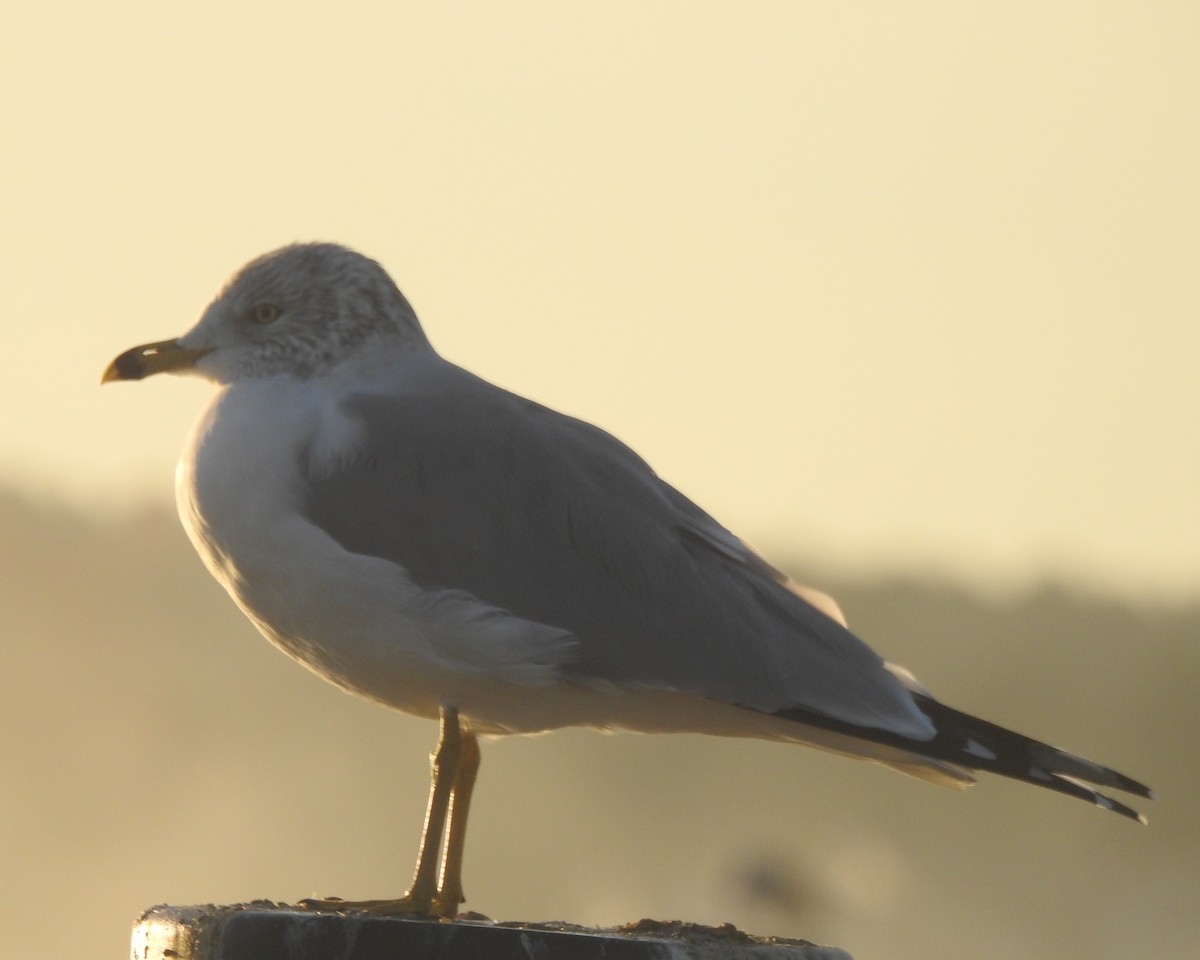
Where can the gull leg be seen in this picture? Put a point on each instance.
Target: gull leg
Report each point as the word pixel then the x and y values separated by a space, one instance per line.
pixel 450 891
pixel 422 897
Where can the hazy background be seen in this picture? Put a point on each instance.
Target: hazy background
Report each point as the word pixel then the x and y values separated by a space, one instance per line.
pixel 903 293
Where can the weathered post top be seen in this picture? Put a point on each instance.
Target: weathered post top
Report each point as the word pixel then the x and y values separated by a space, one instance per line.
pixel 268 931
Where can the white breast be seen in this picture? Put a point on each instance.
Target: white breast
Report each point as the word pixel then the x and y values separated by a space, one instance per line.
pixel 239 478
pixel 358 621
pixel 239 490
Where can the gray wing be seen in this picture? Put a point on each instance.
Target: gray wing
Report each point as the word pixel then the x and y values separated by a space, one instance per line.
pixel 470 487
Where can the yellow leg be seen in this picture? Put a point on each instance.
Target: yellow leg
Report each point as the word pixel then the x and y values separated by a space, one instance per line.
pixel 437 886
pixel 450 890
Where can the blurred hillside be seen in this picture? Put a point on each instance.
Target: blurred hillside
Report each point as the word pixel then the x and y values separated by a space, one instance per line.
pixel 157 749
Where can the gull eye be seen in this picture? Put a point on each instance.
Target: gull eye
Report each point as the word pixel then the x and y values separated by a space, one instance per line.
pixel 264 313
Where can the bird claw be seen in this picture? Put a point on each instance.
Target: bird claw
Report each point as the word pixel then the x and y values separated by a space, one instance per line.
pixel 410 905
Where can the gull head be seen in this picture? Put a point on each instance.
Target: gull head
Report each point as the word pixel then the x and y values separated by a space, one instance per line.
pixel 301 311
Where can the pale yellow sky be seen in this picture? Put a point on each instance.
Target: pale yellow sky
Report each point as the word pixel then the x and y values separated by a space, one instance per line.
pixel 890 285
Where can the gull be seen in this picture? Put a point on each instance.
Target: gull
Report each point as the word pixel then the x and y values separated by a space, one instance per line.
pixel 425 539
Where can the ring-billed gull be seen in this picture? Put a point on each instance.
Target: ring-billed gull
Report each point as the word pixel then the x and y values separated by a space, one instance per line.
pixel 423 538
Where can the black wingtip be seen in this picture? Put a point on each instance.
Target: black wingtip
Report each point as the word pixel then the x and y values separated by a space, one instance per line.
pixel 1121 782
pixel 1108 803
pixel 969 742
